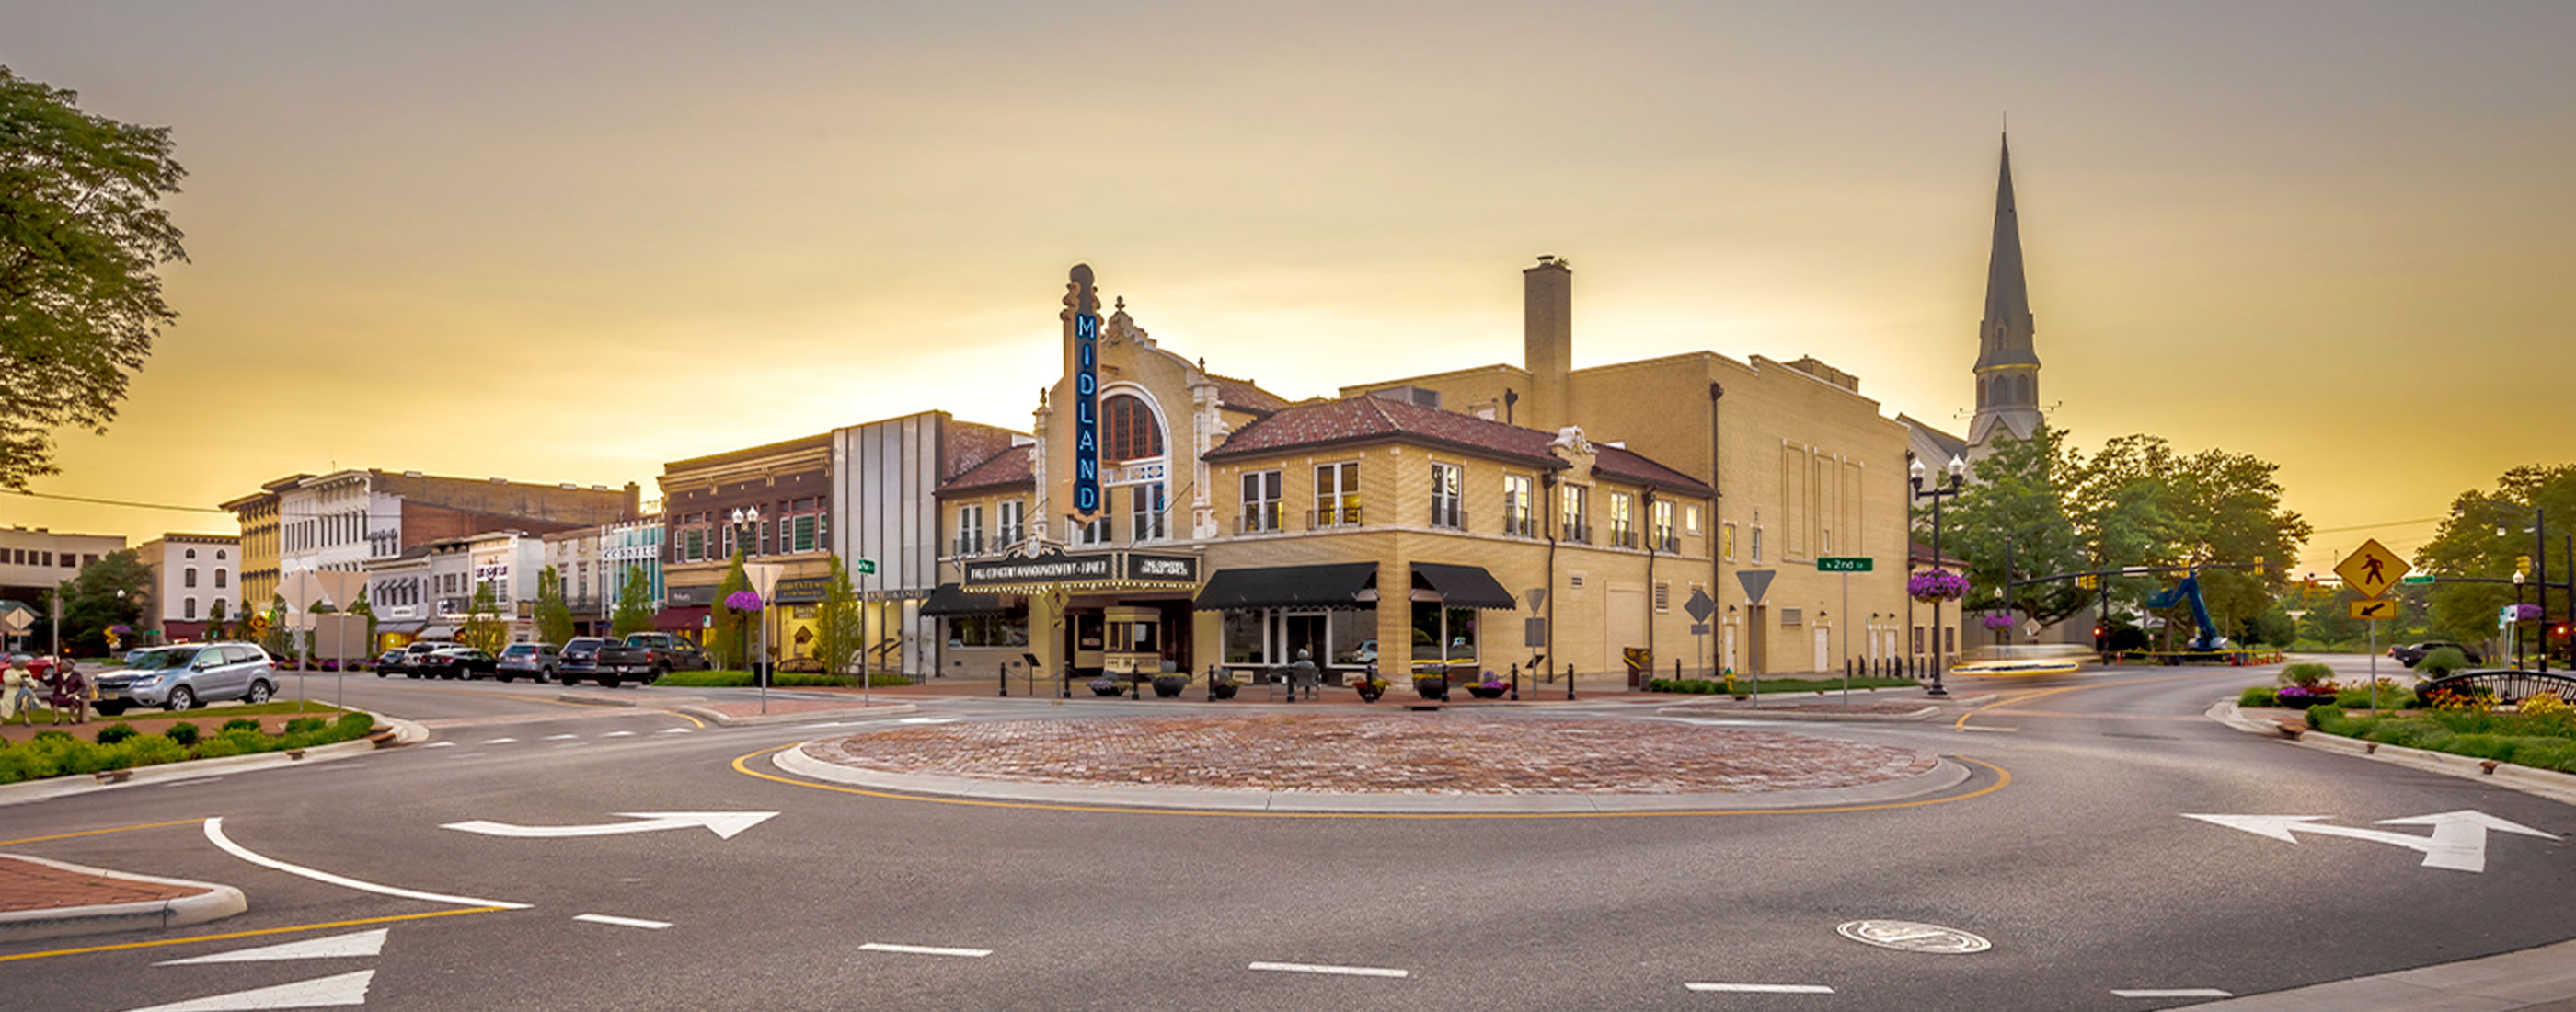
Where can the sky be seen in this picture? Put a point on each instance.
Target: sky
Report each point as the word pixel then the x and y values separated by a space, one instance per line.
pixel 569 242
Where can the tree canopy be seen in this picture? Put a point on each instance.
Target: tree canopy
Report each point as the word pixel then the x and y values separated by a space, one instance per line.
pixel 81 232
pixel 2485 534
pixel 837 623
pixel 554 616
pixel 110 591
pixel 485 629
pixel 634 612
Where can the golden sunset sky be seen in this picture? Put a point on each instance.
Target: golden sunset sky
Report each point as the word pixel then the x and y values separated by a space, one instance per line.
pixel 569 242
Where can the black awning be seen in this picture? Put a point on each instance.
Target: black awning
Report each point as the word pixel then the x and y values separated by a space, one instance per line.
pixel 1464 586
pixel 948 600
pixel 1330 585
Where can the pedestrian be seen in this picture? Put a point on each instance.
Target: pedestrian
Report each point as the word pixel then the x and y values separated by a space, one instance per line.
pixel 18 692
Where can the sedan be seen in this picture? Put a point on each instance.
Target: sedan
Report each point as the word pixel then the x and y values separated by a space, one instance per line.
pixel 390 662
pixel 535 660
pixel 454 662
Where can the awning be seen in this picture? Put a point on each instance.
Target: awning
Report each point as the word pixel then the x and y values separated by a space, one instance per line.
pixel 687 616
pixel 398 628
pixel 948 600
pixel 1330 585
pixel 1465 586
pixel 438 632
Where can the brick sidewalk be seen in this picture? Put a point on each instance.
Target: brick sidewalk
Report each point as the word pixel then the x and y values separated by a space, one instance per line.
pixel 28 885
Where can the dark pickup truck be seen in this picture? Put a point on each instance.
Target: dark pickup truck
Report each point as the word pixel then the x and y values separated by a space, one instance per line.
pixel 643 657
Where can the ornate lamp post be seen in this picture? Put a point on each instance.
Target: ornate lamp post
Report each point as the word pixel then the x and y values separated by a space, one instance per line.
pixel 749 518
pixel 1958 477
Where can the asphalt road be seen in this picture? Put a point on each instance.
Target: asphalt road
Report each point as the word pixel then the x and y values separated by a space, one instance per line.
pixel 2082 871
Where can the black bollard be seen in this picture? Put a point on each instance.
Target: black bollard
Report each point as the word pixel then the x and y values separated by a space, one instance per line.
pixel 1516 683
pixel 1006 678
pixel 1569 681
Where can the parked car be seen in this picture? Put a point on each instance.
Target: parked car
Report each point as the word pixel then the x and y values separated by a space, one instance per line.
pixel 180 678
pixel 389 662
pixel 2413 653
pixel 666 653
pixel 454 662
pixel 533 660
pixel 605 661
pixel 409 664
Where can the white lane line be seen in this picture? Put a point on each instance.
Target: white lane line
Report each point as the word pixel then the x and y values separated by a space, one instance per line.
pixel 215 833
pixel 1346 971
pixel 675 730
pixel 622 922
pixel 345 989
pixel 619 734
pixel 1992 730
pixel 500 741
pixel 184 783
pixel 1763 988
pixel 558 737
pixel 440 744
pixel 364 943
pixel 926 950
pixel 2169 992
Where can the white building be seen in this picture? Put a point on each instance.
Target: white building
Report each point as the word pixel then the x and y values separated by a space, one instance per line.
pixel 190 573
pixel 35 560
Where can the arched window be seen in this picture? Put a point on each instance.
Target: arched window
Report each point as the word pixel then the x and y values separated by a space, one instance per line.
pixel 219 577
pixel 219 555
pixel 192 553
pixel 1128 430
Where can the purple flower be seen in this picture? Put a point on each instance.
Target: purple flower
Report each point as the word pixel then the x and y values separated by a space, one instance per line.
pixel 1998 621
pixel 1936 585
pixel 742 600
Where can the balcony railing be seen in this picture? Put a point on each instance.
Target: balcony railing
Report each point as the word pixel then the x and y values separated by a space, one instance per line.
pixel 1258 518
pixel 1518 525
pixel 1576 533
pixel 1333 516
pixel 1449 514
pixel 1623 537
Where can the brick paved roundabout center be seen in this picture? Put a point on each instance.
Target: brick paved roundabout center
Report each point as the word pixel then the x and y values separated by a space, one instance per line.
pixel 1396 762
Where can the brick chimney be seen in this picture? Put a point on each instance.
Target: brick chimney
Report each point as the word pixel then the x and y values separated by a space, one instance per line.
pixel 1547 343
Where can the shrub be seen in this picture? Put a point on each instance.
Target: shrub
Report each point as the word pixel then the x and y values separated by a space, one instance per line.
pixel 356 725
pixel 2442 661
pixel 2258 696
pixel 2390 697
pixel 116 732
pixel 182 732
pixel 2307 674
pixel 240 724
pixel 304 725
pixel 153 750
pixel 47 735
pixel 2323 715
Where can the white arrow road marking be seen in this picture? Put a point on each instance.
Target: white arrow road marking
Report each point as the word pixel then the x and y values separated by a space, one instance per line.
pixel 926 950
pixel 558 737
pixel 724 824
pixel 1763 988
pixel 2169 992
pixel 345 989
pixel 440 744
pixel 623 922
pixel 1346 971
pixel 364 943
pixel 675 730
pixel 215 832
pixel 2458 843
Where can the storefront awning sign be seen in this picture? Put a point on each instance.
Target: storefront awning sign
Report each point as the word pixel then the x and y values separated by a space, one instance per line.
pixel 1110 569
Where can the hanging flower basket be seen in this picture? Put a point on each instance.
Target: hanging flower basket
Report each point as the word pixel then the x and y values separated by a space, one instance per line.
pixel 2526 613
pixel 1998 621
pixel 1936 585
pixel 742 600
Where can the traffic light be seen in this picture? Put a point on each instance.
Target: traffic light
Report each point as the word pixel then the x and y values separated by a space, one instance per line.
pixel 2522 565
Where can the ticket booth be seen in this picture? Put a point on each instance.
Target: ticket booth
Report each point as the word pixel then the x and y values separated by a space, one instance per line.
pixel 1134 644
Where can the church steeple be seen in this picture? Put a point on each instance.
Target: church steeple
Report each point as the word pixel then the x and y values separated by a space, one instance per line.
pixel 2007 367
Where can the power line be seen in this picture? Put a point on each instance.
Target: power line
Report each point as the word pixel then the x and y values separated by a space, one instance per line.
pixel 2364 527
pixel 122 502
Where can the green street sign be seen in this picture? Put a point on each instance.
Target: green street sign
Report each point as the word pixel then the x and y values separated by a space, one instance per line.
pixel 1843 564
pixel 863 567
pixel 2416 578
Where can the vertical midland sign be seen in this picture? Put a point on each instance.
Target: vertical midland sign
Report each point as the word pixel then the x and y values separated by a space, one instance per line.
pixel 1086 395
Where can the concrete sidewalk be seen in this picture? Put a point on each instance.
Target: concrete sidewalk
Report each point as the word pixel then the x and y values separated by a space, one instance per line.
pixel 42 898
pixel 2541 979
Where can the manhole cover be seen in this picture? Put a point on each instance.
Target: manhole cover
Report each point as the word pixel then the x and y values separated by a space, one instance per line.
pixel 1914 937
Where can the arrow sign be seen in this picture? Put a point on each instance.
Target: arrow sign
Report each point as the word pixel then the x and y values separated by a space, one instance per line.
pixel 724 824
pixel 2458 843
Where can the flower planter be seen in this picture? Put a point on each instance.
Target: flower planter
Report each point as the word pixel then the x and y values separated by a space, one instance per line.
pixel 1110 689
pixel 1432 688
pixel 1168 686
pixel 1221 690
pixel 1486 692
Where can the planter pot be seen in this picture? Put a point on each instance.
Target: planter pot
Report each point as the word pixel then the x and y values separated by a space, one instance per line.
pixel 1221 690
pixel 1114 690
pixel 1482 692
pixel 1432 688
pixel 1166 688
pixel 1368 695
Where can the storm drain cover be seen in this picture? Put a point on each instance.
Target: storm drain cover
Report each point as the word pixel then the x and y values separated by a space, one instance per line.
pixel 1910 936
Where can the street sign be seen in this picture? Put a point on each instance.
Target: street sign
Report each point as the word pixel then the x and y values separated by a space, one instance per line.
pixel 16 621
pixel 300 589
pixel 1756 583
pixel 1843 563
pixel 2372 610
pixel 1533 632
pixel 763 577
pixel 342 589
pixel 2415 579
pixel 2371 569
pixel 1699 628
pixel 863 567
pixel 340 637
pixel 2030 627
pixel 1537 598
pixel 1699 606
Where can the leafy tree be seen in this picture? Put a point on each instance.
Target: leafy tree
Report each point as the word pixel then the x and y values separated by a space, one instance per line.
pixel 2141 503
pixel 81 232
pixel 838 631
pixel 108 592
pixel 274 636
pixel 2014 516
pixel 2469 545
pixel 216 627
pixel 634 612
pixel 554 617
pixel 484 629
pixel 366 608
pixel 729 639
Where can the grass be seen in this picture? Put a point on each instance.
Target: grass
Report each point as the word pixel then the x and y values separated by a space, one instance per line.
pixel 1705 686
pixel 2541 741
pixel 63 754
pixel 782 679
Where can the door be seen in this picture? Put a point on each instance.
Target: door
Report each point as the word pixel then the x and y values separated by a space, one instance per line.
pixel 1730 649
pixel 1626 624
pixel 1305 638
pixel 1824 649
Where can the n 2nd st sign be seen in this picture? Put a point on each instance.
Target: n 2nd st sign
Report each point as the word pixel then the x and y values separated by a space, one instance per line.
pixel 1844 564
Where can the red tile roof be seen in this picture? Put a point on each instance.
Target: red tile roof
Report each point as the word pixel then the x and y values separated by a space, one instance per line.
pixel 1243 396
pixel 1012 467
pixel 968 444
pixel 1368 419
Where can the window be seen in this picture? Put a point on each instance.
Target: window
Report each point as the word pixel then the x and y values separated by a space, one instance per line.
pixel 1665 539
pixel 1446 510
pixel 1247 636
pixel 1094 533
pixel 1442 635
pixel 1690 519
pixel 1008 530
pixel 192 553
pixel 1010 629
pixel 1337 495
pixel 1145 512
pixel 970 529
pixel 220 578
pixel 805 529
pixel 188 609
pixel 1260 502
pixel 694 546
pixel 219 555
pixel 188 577
pixel 1128 430
pixel 1571 503
pixel 1623 524
pixel 1757 544
pixel 1793 616
pixel 1726 542
pixel 1516 505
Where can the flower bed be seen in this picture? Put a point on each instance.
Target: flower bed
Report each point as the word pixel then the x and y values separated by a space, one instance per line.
pixel 118 746
pixel 2543 737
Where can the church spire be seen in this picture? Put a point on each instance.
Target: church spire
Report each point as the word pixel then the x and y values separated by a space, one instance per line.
pixel 2007 366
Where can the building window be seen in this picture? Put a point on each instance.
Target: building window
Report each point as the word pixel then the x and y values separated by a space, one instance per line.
pixel 188 609
pixel 222 578
pixel 1665 539
pixel 1260 502
pixel 219 555
pixel 1094 533
pixel 694 545
pixel 1446 509
pixel 1127 430
pixel 1726 542
pixel 192 553
pixel 188 577
pixel 1623 521
pixel 1757 544
pixel 1008 530
pixel 970 529
pixel 1145 512
pixel 1337 495
pixel 1571 504
pixel 805 529
pixel 1690 520
pixel 1442 635
pixel 1006 630
pixel 1516 505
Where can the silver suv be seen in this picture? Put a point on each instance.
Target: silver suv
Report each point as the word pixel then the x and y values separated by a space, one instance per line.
pixel 182 677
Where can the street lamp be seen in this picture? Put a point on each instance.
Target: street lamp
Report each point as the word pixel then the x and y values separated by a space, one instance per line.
pixel 748 518
pixel 1958 477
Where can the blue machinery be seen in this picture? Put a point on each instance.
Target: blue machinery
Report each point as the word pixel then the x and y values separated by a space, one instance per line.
pixel 2189 590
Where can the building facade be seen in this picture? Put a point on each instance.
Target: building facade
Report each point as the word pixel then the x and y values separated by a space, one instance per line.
pixel 195 577
pixel 774 504
pixel 885 479
pixel 34 560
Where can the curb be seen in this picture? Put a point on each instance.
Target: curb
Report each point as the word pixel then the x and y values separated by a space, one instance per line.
pixel 2551 784
pixel 661 702
pixel 215 903
pixel 729 720
pixel 1946 773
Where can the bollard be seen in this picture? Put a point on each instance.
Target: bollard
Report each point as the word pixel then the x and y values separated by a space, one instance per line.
pixel 1569 681
pixel 1006 678
pixel 1211 680
pixel 1516 683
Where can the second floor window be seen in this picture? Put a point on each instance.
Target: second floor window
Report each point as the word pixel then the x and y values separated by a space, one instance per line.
pixel 1260 502
pixel 1337 494
pixel 1446 510
pixel 970 529
pixel 1516 505
pixel 1665 539
pixel 1623 529
pixel 1094 533
pixel 1145 512
pixel 1572 505
pixel 188 578
pixel 1010 528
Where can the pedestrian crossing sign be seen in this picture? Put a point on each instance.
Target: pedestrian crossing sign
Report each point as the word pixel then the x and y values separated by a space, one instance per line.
pixel 2371 569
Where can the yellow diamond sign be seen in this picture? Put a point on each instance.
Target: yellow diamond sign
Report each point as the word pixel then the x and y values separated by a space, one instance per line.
pixel 2371 569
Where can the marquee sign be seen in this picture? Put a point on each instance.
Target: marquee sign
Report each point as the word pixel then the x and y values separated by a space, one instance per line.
pixel 1086 394
pixel 1084 567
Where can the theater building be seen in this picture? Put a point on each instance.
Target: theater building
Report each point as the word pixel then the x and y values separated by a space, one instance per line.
pixel 1406 524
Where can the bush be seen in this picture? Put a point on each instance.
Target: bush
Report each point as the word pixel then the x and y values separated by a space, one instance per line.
pixel 2308 674
pixel 304 725
pixel 182 732
pixel 356 725
pixel 116 732
pixel 2390 697
pixel 2258 696
pixel 240 724
pixel 2323 716
pixel 2442 661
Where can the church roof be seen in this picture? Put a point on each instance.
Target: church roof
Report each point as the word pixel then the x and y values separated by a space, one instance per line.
pixel 2007 290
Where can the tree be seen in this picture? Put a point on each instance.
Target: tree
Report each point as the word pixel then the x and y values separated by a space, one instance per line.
pixel 366 608
pixel 554 617
pixel 81 232
pixel 274 636
pixel 108 592
pixel 484 630
pixel 216 627
pixel 2015 515
pixel 2141 503
pixel 729 638
pixel 634 612
pixel 2484 535
pixel 838 629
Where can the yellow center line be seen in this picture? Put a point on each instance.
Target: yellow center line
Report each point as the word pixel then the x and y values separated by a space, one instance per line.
pixel 675 713
pixel 1962 723
pixel 95 832
pixel 2003 779
pixel 249 934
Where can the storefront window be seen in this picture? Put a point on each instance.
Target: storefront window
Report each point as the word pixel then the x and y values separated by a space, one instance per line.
pixel 1247 637
pixel 1353 639
pixel 1442 633
pixel 1516 505
pixel 1006 630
